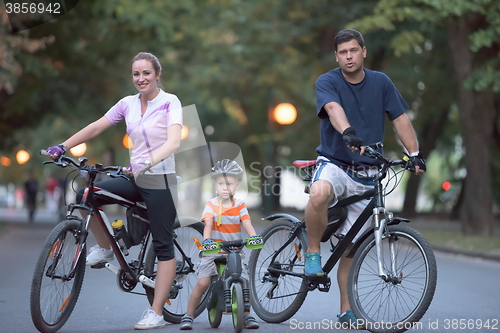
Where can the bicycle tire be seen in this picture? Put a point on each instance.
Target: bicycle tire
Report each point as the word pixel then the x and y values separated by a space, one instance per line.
pixel 214 314
pixel 393 306
pixel 237 307
pixel 53 298
pixel 290 291
pixel 185 228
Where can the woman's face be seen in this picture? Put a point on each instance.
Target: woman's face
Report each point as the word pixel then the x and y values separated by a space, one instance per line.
pixel 144 77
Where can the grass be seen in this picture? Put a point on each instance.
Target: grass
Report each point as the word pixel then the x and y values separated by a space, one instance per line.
pixel 453 238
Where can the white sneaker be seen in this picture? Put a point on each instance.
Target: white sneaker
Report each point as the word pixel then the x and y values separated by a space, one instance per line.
pixel 150 320
pixel 98 255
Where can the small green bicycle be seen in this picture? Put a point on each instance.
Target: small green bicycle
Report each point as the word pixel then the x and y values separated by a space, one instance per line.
pixel 229 291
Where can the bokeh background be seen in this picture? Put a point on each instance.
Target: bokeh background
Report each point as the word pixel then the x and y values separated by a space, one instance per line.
pixel 236 61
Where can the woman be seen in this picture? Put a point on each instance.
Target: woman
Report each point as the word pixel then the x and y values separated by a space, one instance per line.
pixel 154 122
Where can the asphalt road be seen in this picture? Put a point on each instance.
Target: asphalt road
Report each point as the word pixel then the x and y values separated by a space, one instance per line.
pixel 468 292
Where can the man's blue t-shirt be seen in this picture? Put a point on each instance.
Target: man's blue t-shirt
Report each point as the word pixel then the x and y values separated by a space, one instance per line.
pixel 365 105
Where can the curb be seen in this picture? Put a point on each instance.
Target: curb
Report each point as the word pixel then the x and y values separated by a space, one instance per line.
pixel 473 254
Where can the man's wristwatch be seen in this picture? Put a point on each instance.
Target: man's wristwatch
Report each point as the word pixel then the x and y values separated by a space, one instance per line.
pixel 148 162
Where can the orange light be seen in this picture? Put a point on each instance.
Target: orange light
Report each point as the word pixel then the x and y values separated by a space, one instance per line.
pixel 285 113
pixel 446 186
pixel 127 141
pixel 5 161
pixel 22 156
pixel 79 150
pixel 185 132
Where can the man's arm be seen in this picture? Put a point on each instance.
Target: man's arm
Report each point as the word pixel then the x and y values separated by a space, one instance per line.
pixel 339 121
pixel 406 134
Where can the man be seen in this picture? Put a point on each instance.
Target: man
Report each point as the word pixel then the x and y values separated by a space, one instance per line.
pixel 352 103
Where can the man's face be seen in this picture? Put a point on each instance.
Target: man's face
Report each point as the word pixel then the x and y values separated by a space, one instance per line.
pixel 350 56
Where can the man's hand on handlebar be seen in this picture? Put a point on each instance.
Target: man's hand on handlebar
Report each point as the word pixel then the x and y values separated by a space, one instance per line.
pixel 418 162
pixel 353 142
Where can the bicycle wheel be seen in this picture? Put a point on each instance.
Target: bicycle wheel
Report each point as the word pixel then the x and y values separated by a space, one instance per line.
pixel 397 304
pixel 58 277
pixel 186 229
pixel 214 314
pixel 237 307
pixel 277 297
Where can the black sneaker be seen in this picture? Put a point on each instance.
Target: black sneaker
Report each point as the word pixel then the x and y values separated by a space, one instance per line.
pixel 251 323
pixel 187 322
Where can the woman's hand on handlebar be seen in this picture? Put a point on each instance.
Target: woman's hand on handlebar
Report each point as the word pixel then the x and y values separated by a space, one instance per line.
pixel 128 170
pixel 54 152
pixel 134 173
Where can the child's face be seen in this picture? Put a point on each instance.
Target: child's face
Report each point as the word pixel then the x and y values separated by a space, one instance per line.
pixel 226 186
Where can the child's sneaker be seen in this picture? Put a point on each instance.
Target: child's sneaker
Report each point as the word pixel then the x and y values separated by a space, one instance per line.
pixel 313 264
pixel 251 323
pixel 349 321
pixel 187 322
pixel 150 320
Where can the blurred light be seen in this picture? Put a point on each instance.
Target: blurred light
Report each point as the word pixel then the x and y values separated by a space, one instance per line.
pixel 209 130
pixel 185 132
pixel 127 141
pixel 22 156
pixel 5 161
pixel 446 186
pixel 79 150
pixel 285 113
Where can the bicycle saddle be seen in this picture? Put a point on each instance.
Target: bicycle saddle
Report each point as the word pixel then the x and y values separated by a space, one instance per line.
pixel 303 163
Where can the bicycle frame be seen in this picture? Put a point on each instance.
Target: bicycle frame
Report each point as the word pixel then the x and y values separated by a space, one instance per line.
pixel 375 208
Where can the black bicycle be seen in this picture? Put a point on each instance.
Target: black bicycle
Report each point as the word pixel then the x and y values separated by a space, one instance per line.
pixel 60 269
pixel 393 274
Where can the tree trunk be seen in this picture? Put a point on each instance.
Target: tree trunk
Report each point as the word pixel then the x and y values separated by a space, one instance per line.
pixel 431 130
pixel 476 115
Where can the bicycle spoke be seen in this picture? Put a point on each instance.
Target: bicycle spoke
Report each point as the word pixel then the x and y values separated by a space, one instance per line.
pixel 401 297
pixel 277 296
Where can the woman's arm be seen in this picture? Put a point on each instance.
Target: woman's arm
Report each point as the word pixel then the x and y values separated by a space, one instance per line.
pixel 170 146
pixel 89 132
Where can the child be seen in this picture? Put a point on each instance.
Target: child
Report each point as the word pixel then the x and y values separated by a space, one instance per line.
pixel 223 217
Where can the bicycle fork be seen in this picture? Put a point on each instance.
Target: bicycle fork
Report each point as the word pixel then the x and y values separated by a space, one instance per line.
pixel 380 225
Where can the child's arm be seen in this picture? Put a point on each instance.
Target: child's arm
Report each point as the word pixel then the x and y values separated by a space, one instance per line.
pixel 207 230
pixel 247 225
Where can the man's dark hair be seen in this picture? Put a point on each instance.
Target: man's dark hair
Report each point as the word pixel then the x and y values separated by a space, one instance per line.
pixel 347 35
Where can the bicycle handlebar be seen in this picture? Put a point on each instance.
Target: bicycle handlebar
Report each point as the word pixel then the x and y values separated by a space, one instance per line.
pixel 64 161
pixel 370 151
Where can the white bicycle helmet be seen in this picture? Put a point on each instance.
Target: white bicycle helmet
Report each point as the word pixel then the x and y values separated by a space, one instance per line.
pixel 227 167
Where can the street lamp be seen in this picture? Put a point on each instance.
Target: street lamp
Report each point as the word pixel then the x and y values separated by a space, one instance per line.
pixel 22 156
pixel 79 150
pixel 127 142
pixel 185 132
pixel 281 114
pixel 5 161
pixel 285 114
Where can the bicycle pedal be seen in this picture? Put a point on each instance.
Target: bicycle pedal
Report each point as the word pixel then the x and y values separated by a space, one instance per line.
pixel 322 283
pixel 99 265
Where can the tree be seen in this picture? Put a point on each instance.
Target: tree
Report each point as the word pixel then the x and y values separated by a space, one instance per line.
pixel 473 38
